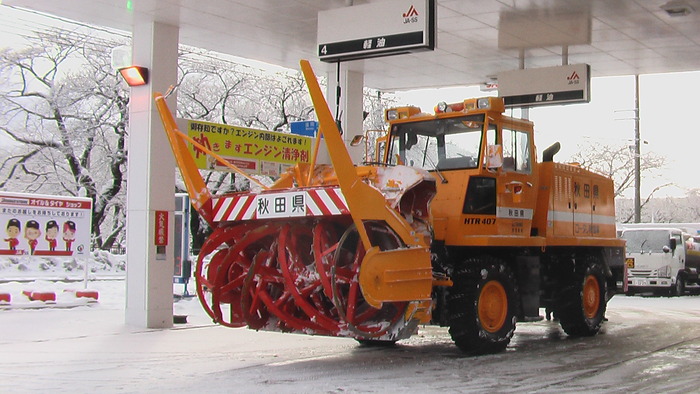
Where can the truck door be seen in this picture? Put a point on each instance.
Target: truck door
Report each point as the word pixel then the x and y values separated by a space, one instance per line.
pixel 678 252
pixel 517 192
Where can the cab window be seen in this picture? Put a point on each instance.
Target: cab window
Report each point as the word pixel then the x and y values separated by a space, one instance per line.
pixel 443 144
pixel 516 151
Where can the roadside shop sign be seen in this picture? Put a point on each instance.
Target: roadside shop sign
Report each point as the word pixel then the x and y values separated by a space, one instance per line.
pixel 44 225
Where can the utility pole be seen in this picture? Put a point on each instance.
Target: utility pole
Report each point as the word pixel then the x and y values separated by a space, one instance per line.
pixel 637 155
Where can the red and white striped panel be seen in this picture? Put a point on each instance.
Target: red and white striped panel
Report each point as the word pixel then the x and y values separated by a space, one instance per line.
pixel 233 208
pixel 323 202
pixel 283 204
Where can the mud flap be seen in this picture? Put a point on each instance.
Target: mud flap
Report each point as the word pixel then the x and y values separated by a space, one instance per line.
pixel 396 275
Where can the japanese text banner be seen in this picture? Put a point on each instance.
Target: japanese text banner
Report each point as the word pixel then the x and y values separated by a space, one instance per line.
pixel 253 151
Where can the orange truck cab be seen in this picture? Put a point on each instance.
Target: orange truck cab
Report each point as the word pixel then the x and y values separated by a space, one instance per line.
pixel 498 208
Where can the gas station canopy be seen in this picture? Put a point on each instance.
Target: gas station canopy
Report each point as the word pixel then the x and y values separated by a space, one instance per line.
pixel 476 39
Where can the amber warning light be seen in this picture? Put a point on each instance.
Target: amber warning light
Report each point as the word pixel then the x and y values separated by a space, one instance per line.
pixel 135 75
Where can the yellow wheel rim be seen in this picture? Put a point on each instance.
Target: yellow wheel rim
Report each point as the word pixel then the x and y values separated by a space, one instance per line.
pixel 591 296
pixel 493 306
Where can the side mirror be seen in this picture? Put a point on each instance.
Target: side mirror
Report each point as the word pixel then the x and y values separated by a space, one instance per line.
pixel 673 243
pixel 666 249
pixel 357 140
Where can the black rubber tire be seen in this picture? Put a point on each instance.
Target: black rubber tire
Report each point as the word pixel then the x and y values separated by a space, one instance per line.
pixel 679 288
pixel 570 305
pixel 466 329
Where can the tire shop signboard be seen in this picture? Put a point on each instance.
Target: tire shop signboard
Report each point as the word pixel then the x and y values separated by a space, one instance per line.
pixel 384 28
pixel 44 225
pixel 253 151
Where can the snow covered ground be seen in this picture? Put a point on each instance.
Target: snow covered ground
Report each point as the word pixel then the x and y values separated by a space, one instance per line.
pixel 648 345
pixel 66 276
pixel 62 276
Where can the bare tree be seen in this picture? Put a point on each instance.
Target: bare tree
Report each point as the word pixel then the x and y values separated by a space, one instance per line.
pixel 375 103
pixel 277 100
pixel 216 90
pixel 668 209
pixel 690 211
pixel 66 113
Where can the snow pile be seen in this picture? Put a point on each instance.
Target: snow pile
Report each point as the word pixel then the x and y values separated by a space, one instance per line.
pixel 100 263
pixel 64 279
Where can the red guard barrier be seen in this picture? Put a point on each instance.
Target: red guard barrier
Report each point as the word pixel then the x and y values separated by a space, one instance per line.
pixel 87 294
pixel 40 295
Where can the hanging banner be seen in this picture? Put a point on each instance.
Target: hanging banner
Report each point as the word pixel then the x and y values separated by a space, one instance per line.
pixel 253 151
pixel 45 225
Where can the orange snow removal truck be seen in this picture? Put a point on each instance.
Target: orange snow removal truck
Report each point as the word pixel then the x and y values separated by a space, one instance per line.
pixel 454 222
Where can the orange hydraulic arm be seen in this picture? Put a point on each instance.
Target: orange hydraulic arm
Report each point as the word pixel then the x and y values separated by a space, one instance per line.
pixel 395 275
pixel 364 201
pixel 196 188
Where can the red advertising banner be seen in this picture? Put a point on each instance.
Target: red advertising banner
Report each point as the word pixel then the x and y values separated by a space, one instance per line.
pixel 161 233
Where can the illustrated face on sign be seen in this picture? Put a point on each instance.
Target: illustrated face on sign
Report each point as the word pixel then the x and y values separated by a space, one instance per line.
pixel 13 228
pixel 31 230
pixel 68 230
pixel 51 230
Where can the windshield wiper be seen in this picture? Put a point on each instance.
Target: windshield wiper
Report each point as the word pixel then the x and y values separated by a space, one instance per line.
pixel 437 171
pixel 425 157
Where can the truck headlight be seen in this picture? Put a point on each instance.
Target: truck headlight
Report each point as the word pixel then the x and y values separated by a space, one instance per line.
pixel 664 272
pixel 483 103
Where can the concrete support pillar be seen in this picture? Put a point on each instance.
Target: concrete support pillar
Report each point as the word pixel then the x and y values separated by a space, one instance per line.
pixel 351 106
pixel 150 181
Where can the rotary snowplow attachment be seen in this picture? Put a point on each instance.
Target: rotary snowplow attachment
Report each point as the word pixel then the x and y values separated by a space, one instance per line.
pixel 326 250
pixel 400 273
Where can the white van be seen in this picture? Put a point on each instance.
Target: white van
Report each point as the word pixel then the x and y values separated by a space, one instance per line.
pixel 657 260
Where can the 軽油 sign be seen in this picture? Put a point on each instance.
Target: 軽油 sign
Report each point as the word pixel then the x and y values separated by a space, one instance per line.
pixel 376 29
pixel 545 86
pixel 45 225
